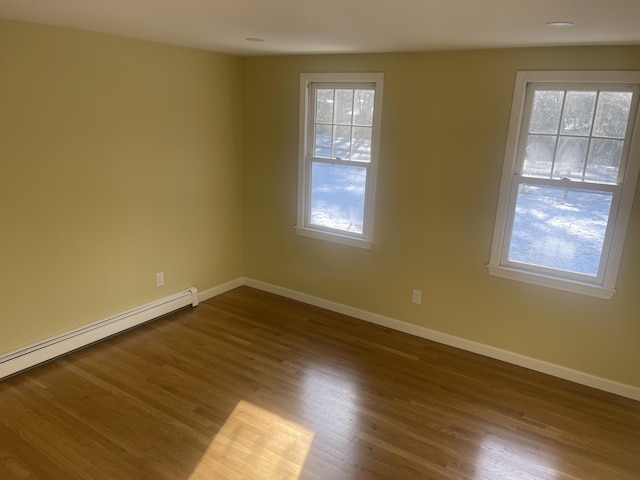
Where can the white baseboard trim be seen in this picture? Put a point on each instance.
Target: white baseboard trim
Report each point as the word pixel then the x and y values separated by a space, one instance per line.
pixel 50 348
pixel 611 386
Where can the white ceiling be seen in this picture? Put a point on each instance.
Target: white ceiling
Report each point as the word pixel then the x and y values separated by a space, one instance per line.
pixel 341 26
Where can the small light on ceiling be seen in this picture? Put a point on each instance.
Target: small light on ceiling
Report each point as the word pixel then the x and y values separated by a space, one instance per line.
pixel 254 39
pixel 559 24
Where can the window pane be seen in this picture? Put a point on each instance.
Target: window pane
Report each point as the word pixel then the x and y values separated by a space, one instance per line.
pixel 363 107
pixel 322 141
pixel 570 158
pixel 538 156
pixel 545 111
pixel 612 114
pixel 604 161
pixel 324 106
pixel 337 196
pixel 560 228
pixel 578 113
pixel 344 107
pixel 342 142
pixel 361 144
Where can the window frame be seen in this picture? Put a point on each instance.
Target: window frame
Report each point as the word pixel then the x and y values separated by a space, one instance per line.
pixel 304 227
pixel 603 284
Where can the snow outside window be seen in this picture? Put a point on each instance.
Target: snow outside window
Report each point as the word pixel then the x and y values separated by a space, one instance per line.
pixel 568 180
pixel 339 130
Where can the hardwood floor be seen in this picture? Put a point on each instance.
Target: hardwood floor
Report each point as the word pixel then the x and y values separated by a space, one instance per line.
pixel 249 385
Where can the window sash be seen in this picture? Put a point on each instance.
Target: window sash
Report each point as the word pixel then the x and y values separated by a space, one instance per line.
pixel 533 87
pixel 517 181
pixel 309 161
pixel 311 112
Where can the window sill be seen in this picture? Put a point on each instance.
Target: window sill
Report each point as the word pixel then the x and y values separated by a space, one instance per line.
pixel 573 286
pixel 333 237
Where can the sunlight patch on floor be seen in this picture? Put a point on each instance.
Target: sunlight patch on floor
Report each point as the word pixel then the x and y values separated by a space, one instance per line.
pixel 255 443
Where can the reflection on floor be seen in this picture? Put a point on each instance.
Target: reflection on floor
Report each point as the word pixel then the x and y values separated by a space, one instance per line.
pixel 506 459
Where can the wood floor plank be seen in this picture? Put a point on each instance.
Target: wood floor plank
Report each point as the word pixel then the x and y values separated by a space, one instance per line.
pixel 250 385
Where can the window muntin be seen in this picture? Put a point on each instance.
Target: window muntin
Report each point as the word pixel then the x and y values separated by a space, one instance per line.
pixel 339 128
pixel 567 189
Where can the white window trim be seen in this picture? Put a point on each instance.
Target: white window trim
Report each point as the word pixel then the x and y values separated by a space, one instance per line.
pixel 303 227
pixel 606 287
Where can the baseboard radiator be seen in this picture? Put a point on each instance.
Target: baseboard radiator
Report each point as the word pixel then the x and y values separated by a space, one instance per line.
pixel 32 355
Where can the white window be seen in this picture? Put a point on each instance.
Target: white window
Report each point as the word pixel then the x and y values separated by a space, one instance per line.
pixel 339 132
pixel 568 180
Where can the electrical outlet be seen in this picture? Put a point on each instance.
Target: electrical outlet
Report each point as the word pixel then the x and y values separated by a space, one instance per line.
pixel 159 279
pixel 417 297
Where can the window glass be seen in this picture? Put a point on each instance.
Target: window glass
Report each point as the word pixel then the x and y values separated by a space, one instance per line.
pixel 363 107
pixel 571 157
pixel 604 160
pixel 337 196
pixel 545 114
pixel 578 113
pixel 612 114
pixel 538 156
pixel 559 228
pixel 324 106
pixel 361 148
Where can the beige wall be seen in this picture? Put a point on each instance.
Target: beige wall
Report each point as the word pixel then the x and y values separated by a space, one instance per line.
pixel 119 159
pixel 444 127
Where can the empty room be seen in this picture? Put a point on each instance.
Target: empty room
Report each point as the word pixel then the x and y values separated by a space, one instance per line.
pixel 315 240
